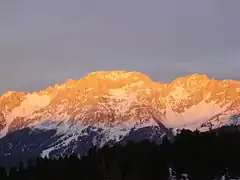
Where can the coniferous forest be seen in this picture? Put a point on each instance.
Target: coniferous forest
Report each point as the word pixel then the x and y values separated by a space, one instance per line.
pixel 192 155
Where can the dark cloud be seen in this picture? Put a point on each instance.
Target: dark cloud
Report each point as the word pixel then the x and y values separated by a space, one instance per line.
pixel 48 41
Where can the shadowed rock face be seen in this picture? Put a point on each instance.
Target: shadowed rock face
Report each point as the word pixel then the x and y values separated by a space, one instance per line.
pixel 23 144
pixel 27 143
pixel 2 122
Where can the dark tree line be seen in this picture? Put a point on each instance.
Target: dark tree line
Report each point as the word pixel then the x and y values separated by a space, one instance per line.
pixel 202 156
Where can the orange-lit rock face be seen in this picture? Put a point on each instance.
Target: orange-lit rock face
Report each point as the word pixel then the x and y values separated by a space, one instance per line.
pixel 2 122
pixel 11 100
pixel 122 97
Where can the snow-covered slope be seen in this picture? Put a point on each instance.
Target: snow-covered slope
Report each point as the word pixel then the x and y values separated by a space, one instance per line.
pixel 113 106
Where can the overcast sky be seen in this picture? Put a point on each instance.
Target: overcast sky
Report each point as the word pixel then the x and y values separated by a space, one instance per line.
pixel 43 42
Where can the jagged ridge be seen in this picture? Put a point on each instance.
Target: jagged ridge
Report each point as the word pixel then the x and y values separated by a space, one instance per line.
pixel 114 97
pixel 113 106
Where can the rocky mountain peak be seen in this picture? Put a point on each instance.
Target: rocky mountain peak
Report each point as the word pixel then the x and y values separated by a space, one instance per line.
pixel 118 75
pixel 111 106
pixel 122 97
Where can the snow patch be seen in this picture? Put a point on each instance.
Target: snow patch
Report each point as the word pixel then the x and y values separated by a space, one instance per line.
pixel 71 133
pixel 193 116
pixel 31 103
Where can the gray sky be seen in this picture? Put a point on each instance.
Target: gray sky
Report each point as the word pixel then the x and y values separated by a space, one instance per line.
pixel 43 42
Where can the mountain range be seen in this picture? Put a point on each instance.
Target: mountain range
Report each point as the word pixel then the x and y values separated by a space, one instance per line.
pixel 111 107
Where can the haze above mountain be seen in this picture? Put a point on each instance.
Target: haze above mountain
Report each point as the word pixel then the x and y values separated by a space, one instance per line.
pixel 45 42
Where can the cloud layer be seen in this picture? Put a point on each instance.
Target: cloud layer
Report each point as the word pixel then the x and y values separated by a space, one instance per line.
pixel 49 41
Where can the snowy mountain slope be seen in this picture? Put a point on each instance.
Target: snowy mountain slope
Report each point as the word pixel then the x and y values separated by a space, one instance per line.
pixel 31 142
pixel 114 106
pixel 230 116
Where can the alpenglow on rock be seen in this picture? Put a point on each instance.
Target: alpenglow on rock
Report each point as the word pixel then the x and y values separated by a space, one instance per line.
pixel 111 107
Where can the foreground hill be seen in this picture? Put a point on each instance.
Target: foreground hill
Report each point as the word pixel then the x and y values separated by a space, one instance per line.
pixel 211 155
pixel 110 107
